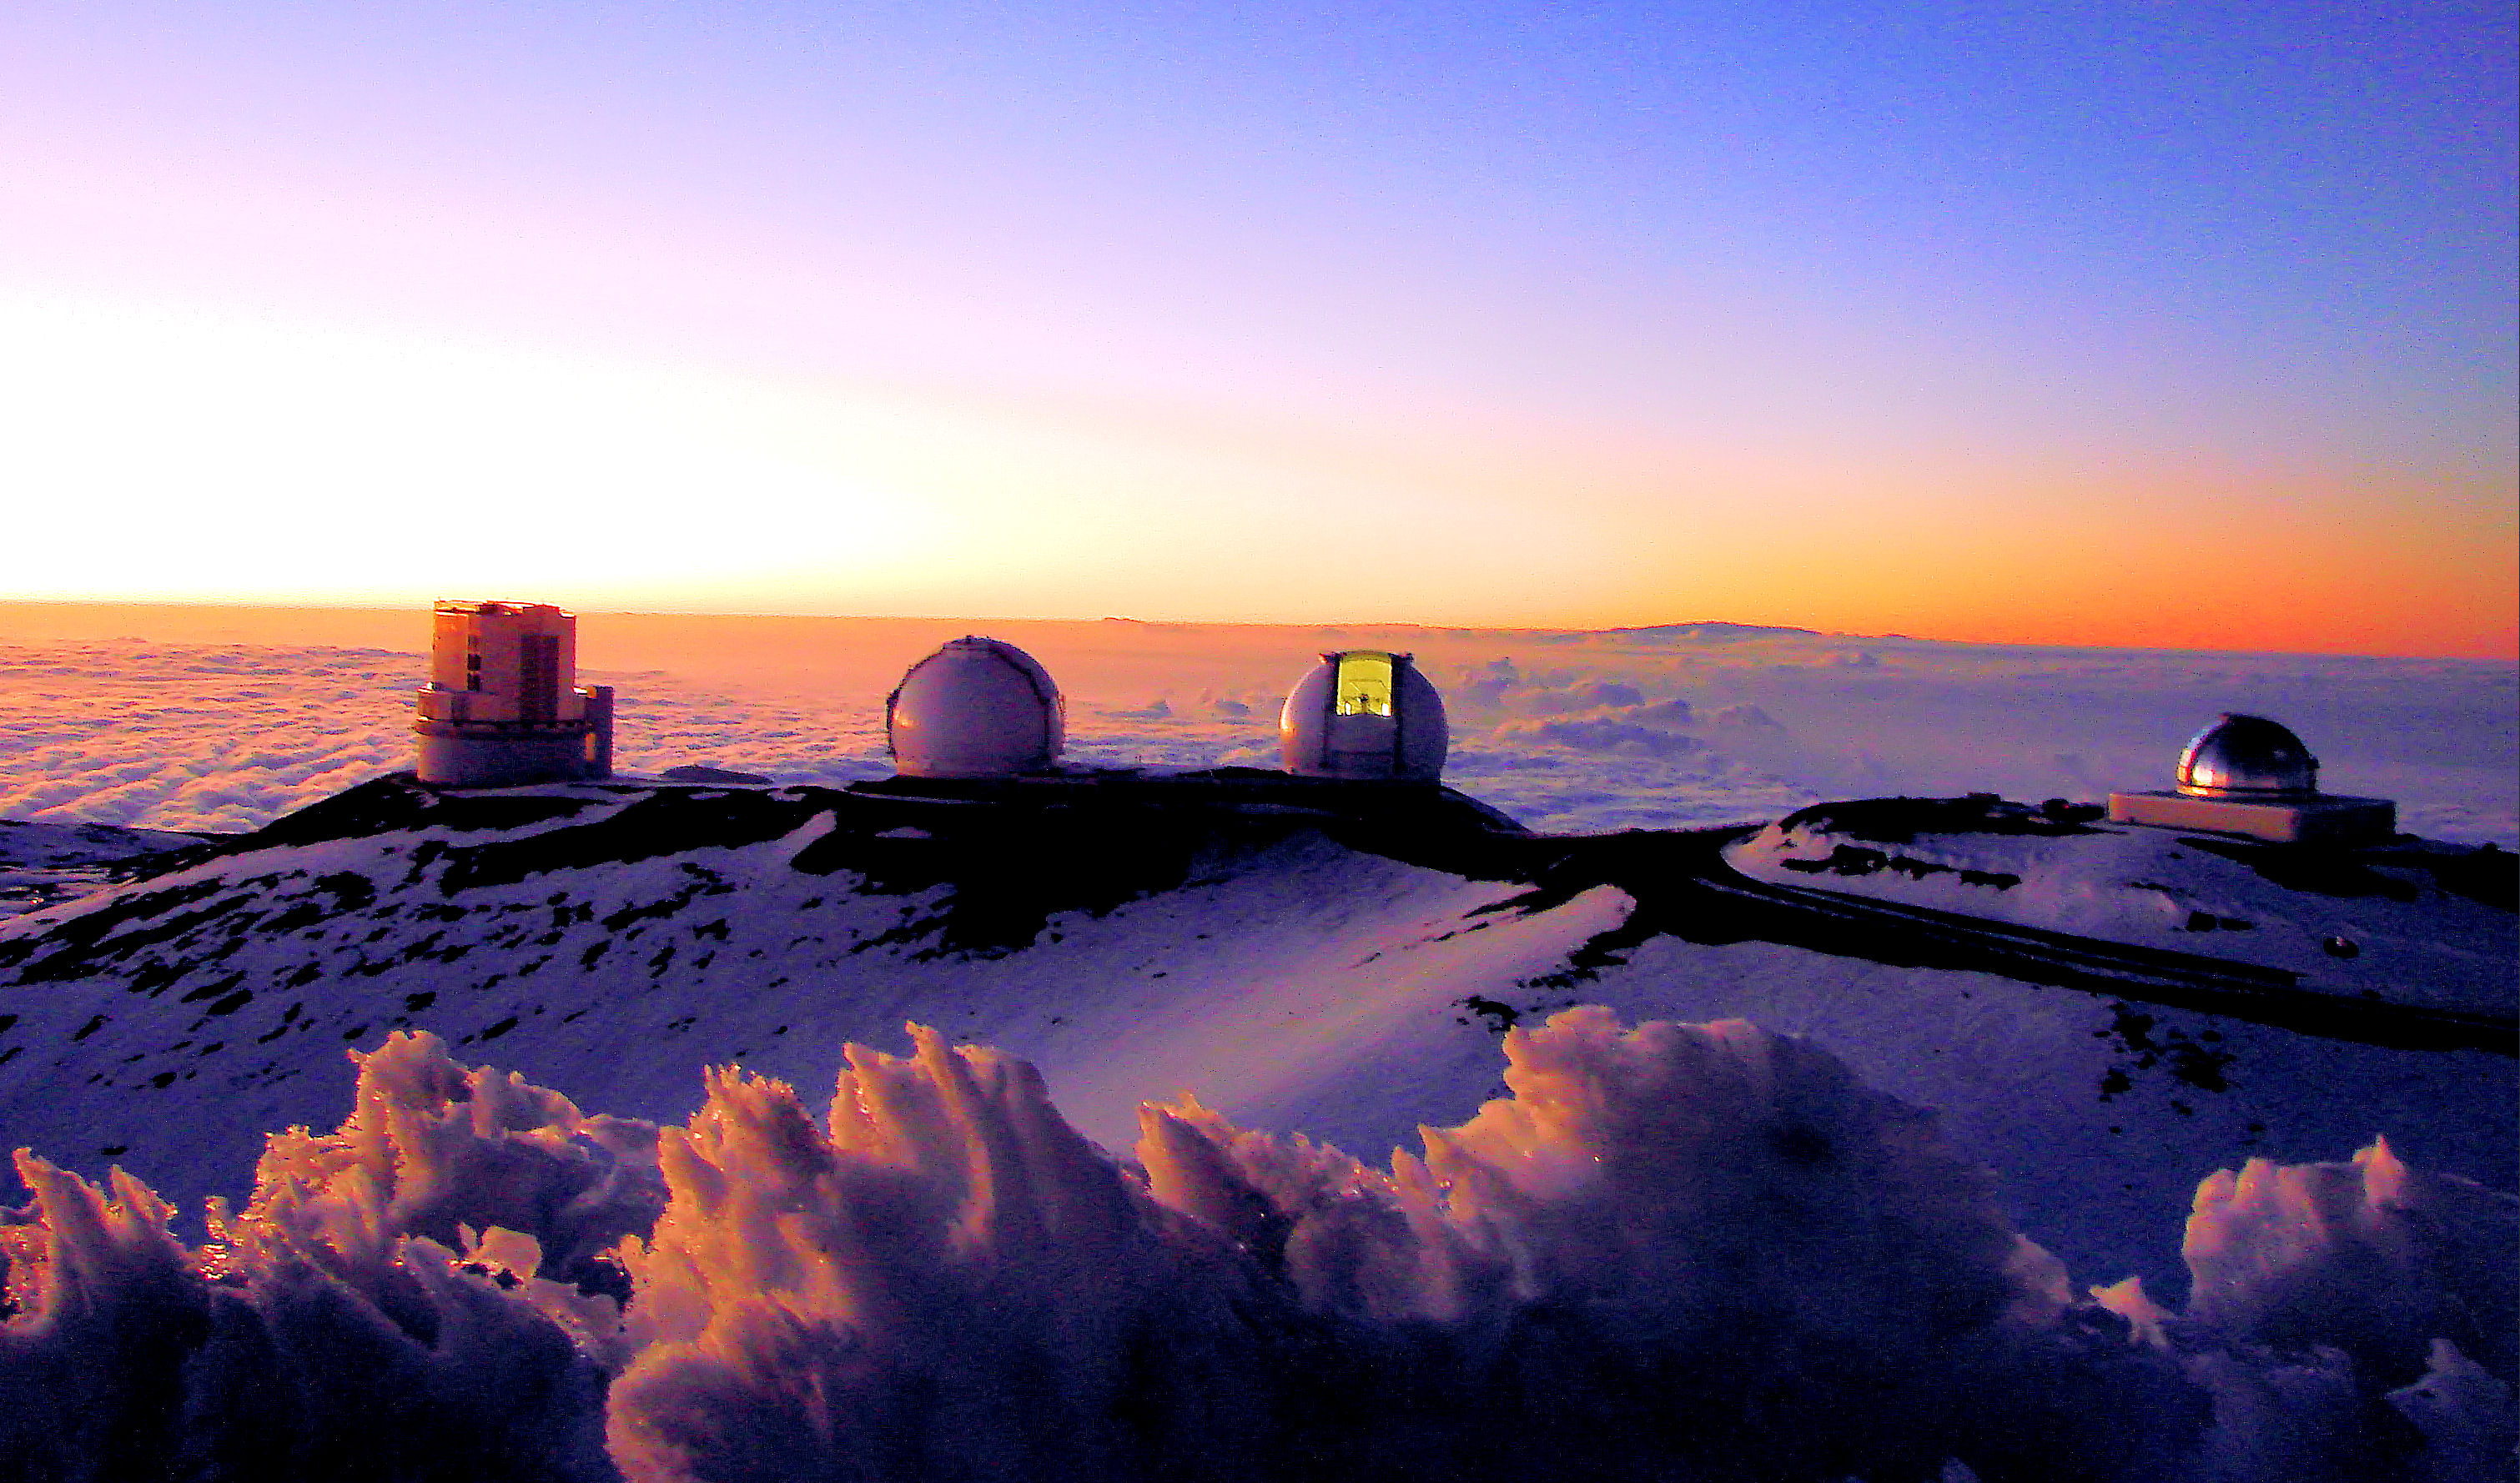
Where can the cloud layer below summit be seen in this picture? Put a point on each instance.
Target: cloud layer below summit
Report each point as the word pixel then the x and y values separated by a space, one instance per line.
pixel 222 719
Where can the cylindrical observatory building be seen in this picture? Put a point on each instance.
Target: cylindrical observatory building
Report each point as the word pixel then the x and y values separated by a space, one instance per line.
pixel 975 708
pixel 503 707
pixel 1365 714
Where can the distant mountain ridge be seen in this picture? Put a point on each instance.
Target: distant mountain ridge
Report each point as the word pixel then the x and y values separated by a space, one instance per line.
pixel 1707 632
pixel 1711 629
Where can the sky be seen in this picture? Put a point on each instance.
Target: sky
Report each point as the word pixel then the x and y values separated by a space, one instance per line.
pixel 2184 327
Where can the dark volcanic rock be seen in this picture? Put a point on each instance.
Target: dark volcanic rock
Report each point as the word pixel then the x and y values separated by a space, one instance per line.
pixel 702 776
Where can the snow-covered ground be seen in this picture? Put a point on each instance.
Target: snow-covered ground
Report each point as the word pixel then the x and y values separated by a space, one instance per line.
pixel 2410 923
pixel 1667 1252
pixel 607 939
pixel 41 864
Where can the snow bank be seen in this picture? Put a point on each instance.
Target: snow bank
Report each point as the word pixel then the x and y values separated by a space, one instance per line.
pixel 2369 1257
pixel 1672 1252
pixel 324 1334
pixel 1675 1173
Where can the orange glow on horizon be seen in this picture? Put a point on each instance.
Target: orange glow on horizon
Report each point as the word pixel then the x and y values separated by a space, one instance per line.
pixel 324 467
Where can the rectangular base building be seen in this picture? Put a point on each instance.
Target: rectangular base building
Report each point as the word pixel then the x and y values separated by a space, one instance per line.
pixel 2321 820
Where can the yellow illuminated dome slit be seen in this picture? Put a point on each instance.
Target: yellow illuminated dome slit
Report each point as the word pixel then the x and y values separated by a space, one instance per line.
pixel 1364 685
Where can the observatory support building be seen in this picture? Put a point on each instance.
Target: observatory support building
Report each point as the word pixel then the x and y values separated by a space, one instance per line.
pixel 503 706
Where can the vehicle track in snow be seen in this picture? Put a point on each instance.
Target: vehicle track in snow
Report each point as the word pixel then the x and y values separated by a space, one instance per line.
pixel 1684 888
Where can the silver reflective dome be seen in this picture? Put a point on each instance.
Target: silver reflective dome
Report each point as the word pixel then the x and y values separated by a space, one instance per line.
pixel 2246 756
pixel 975 708
pixel 1365 714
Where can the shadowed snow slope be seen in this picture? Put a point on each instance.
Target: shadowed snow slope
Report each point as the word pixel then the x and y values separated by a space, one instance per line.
pixel 1334 958
pixel 2406 921
pixel 1673 1251
pixel 41 864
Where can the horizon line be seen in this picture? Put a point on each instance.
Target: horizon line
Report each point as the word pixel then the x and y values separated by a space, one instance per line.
pixel 1770 629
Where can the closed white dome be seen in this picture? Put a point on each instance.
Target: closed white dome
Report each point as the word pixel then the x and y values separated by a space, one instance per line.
pixel 975 708
pixel 1365 714
pixel 2244 756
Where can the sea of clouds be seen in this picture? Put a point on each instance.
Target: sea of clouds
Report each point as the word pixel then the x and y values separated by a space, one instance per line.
pixel 1670 1252
pixel 1567 732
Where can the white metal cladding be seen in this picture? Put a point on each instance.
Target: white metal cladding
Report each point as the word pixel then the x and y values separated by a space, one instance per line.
pixel 505 759
pixel 2247 756
pixel 1364 713
pixel 975 708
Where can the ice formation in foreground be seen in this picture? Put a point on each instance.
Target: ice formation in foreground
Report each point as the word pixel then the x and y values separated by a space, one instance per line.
pixel 1674 1251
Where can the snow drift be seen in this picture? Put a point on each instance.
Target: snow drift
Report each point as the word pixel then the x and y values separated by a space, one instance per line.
pixel 1672 1252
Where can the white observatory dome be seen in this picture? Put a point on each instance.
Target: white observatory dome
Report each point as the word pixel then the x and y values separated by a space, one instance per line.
pixel 1365 714
pixel 975 708
pixel 2244 758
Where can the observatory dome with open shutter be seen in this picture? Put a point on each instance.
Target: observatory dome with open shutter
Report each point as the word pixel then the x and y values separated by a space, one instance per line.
pixel 1365 714
pixel 975 708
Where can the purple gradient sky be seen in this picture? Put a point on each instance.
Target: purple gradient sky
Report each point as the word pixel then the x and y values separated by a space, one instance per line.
pixel 1969 320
